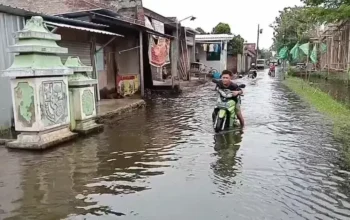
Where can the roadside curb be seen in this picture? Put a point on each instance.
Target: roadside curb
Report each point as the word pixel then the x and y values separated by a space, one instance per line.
pixel 101 118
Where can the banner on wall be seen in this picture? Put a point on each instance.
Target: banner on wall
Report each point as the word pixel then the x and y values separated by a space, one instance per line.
pixel 128 84
pixel 159 51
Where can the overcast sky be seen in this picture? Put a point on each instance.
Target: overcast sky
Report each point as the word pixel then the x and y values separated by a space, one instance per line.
pixel 242 15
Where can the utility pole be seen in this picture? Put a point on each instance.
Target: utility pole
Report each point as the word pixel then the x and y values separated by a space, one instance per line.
pixel 257 44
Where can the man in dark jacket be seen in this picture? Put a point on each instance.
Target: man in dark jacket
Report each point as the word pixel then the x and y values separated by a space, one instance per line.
pixel 226 83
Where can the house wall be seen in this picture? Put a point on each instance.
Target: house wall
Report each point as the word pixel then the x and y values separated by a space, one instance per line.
pixel 232 63
pixel 125 65
pixel 128 79
pixel 77 42
pixel 218 65
pixel 337 56
pixel 10 186
pixel 8 25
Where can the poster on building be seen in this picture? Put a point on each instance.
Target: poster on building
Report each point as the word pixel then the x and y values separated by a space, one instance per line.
pixel 249 49
pixel 128 84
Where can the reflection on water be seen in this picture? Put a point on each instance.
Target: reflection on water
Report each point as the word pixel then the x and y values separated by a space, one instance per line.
pixel 226 166
pixel 165 162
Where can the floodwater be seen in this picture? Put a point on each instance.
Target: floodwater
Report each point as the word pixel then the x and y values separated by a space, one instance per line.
pixel 165 162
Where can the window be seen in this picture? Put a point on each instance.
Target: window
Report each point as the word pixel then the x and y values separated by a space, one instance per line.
pixel 213 56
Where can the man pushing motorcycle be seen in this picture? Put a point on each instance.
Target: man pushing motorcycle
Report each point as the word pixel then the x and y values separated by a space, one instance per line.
pixel 225 83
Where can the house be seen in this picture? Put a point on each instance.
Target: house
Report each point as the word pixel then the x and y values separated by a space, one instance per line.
pixel 117 63
pixel 112 38
pixel 187 51
pixel 126 57
pixel 211 50
pixel 75 36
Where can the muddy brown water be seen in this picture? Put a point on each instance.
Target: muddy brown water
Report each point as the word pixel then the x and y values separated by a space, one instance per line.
pixel 165 162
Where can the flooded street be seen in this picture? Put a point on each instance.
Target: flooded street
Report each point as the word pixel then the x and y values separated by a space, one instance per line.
pixel 165 162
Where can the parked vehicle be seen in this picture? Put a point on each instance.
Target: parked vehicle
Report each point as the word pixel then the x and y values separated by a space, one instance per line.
pixel 260 63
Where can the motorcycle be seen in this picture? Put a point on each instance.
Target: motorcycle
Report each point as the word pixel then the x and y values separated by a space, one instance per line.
pixel 224 107
pixel 272 73
pixel 252 74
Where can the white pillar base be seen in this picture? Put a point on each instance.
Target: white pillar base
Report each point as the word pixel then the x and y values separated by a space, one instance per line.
pixel 41 140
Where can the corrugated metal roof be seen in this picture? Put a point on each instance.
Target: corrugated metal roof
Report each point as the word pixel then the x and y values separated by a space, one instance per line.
pixel 26 13
pixel 82 28
pixel 214 37
pixel 16 11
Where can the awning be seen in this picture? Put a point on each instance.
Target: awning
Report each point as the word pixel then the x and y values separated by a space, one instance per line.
pixel 82 28
pixel 159 34
pixel 128 24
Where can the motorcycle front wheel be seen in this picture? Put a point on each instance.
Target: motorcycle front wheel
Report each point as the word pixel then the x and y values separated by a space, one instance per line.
pixel 220 123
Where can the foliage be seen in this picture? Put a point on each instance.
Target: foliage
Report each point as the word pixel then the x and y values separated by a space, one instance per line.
pixel 326 3
pixel 328 10
pixel 236 44
pixel 265 54
pixel 222 28
pixel 200 30
pixel 291 26
pixel 325 104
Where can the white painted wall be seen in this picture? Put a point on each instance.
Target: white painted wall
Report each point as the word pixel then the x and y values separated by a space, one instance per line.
pixel 219 65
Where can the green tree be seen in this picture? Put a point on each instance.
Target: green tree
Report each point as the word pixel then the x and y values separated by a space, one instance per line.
pixel 237 45
pixel 328 10
pixel 200 30
pixel 222 28
pixel 265 54
pixel 291 26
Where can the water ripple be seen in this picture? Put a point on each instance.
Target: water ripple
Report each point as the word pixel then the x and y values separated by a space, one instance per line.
pixel 165 162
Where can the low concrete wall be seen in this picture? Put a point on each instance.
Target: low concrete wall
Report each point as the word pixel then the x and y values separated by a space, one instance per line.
pixel 109 109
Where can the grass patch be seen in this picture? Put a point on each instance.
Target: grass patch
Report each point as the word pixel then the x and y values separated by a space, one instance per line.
pixel 325 104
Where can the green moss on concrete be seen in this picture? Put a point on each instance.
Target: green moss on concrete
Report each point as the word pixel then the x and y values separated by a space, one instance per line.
pixel 325 104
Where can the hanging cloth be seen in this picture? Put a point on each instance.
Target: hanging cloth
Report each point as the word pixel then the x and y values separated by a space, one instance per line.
pixel 211 48
pixel 216 48
pixel 205 48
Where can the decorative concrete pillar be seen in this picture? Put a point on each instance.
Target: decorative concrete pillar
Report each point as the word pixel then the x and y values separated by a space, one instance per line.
pixel 39 85
pixel 82 91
